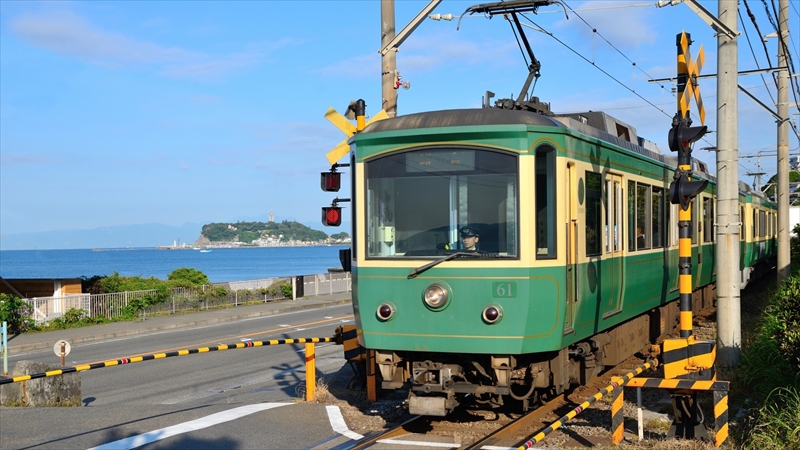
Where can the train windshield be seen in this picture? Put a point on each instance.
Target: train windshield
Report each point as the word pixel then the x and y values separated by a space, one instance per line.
pixel 431 202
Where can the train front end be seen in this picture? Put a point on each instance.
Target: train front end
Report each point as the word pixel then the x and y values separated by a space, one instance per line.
pixel 447 319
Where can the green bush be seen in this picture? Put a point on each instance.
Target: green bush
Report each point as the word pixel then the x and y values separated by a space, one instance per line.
pixel 794 246
pixel 11 308
pixel 783 325
pixel 186 277
pixel 73 318
pixel 286 289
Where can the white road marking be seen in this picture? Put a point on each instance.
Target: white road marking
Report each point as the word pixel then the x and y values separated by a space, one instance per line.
pixel 192 425
pixel 300 329
pixel 245 339
pixel 422 443
pixel 339 425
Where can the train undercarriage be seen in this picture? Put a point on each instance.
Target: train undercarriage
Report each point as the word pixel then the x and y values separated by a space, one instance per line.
pixel 439 382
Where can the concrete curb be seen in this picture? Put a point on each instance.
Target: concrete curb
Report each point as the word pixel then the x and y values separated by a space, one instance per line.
pixel 21 348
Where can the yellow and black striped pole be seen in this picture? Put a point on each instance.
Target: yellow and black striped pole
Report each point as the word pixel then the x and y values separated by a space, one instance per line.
pixel 686 356
pixel 720 417
pixel 151 357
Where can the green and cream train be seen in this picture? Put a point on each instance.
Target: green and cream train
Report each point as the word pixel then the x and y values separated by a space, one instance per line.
pixel 576 266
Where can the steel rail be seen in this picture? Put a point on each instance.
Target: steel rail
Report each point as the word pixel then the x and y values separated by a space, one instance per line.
pixel 398 430
pixel 509 430
pixel 154 356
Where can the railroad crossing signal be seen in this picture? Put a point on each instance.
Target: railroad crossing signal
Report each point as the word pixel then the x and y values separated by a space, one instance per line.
pixel 356 110
pixel 688 71
pixel 682 191
pixel 681 137
pixel 331 216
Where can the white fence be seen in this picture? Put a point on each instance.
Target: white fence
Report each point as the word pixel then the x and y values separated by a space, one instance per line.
pixel 44 309
pixel 326 283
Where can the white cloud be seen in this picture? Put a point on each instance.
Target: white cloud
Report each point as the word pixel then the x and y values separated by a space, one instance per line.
pixel 69 34
pixel 620 22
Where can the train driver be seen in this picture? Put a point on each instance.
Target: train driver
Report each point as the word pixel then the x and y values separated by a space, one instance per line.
pixel 640 242
pixel 469 238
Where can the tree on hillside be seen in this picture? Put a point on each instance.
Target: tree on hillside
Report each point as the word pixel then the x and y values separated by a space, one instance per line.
pixel 794 177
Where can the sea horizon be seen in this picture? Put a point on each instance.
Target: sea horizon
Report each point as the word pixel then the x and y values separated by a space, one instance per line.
pixel 219 264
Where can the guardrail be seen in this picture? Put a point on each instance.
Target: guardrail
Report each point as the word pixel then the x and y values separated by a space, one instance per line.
pixel 235 293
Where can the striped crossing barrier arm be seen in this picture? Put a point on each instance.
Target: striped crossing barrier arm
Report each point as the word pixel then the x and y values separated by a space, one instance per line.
pixel 136 359
pixel 608 389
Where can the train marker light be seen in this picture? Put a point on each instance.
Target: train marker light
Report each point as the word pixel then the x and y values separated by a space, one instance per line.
pixel 682 191
pixel 492 314
pixel 385 311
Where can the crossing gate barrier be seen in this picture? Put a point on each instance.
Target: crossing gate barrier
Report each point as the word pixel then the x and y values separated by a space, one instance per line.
pixel 686 425
pixel 310 360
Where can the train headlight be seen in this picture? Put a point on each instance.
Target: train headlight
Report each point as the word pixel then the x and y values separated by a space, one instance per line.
pixel 436 296
pixel 385 311
pixel 492 314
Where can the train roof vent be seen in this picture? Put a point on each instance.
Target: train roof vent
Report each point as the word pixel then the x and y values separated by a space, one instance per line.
pixel 604 122
pixel 648 144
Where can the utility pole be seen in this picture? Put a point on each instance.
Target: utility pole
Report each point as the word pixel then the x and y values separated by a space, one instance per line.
pixel 388 59
pixel 729 323
pixel 784 256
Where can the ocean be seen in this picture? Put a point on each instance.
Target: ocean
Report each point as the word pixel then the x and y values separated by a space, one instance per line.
pixel 219 264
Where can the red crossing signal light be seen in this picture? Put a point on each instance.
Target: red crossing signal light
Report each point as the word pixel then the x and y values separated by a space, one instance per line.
pixel 331 216
pixel 331 181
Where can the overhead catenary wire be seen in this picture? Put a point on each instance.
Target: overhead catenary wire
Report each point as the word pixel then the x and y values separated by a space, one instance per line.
pixel 540 28
pixel 752 51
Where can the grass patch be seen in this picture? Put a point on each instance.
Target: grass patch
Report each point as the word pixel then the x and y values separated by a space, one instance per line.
pixel 768 378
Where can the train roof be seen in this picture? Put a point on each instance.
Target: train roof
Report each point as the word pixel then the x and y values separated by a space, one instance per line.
pixel 461 117
pixel 596 124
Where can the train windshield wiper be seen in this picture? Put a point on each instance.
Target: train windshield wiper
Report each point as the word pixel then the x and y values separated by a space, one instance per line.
pixel 473 254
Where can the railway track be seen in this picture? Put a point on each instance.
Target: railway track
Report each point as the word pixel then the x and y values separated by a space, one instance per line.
pixel 479 429
pixel 519 429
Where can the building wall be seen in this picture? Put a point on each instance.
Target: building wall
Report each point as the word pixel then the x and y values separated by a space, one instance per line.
pixel 30 288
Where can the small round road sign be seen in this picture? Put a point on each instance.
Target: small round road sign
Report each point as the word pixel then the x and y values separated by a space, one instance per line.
pixel 57 347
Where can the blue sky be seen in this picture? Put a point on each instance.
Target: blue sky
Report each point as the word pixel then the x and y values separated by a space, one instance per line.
pixel 116 113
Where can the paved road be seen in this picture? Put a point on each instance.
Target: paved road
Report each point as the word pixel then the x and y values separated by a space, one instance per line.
pixel 245 398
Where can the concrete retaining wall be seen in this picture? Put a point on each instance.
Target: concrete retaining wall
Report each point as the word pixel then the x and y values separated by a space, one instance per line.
pixel 62 390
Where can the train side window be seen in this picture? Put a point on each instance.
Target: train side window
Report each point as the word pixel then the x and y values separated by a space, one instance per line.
pixel 657 216
pixel 545 202
pixel 708 220
pixel 762 224
pixel 741 223
pixel 594 199
pixel 755 223
pixel 631 215
pixel 643 208
pixel 693 228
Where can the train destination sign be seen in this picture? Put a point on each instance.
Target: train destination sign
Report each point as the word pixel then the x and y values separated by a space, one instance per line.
pixel 440 161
